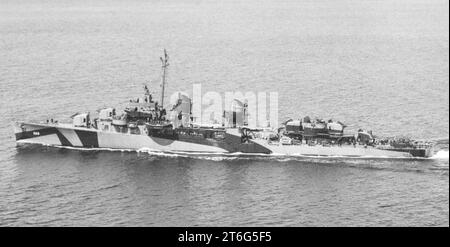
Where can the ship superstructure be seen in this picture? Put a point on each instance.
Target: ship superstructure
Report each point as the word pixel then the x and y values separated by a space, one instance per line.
pixel 146 123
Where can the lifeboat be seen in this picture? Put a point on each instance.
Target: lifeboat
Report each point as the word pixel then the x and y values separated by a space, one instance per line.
pixel 132 125
pixel 285 140
pixel 119 121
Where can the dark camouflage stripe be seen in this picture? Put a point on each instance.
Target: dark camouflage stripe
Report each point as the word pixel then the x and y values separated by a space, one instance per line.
pixel 89 139
pixel 44 132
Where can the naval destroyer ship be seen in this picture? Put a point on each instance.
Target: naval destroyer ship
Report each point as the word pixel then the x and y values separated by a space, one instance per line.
pixel 147 124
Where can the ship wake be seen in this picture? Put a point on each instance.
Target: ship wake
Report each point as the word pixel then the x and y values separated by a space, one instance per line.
pixel 439 155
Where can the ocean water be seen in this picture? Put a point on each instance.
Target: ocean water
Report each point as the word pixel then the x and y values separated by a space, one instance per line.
pixel 380 65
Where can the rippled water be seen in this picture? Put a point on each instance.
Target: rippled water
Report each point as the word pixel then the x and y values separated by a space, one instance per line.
pixel 376 64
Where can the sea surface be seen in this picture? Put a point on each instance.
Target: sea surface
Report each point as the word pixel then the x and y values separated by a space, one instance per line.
pixel 379 65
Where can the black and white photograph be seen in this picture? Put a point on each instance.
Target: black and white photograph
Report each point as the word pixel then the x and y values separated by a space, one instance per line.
pixel 232 113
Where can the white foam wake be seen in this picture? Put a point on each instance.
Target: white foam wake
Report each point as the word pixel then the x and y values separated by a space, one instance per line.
pixel 442 154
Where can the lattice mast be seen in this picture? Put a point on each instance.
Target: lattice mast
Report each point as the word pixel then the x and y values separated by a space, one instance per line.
pixel 164 65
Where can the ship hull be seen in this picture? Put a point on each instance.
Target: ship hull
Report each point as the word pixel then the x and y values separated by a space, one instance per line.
pixel 57 135
pixel 61 135
pixel 348 151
